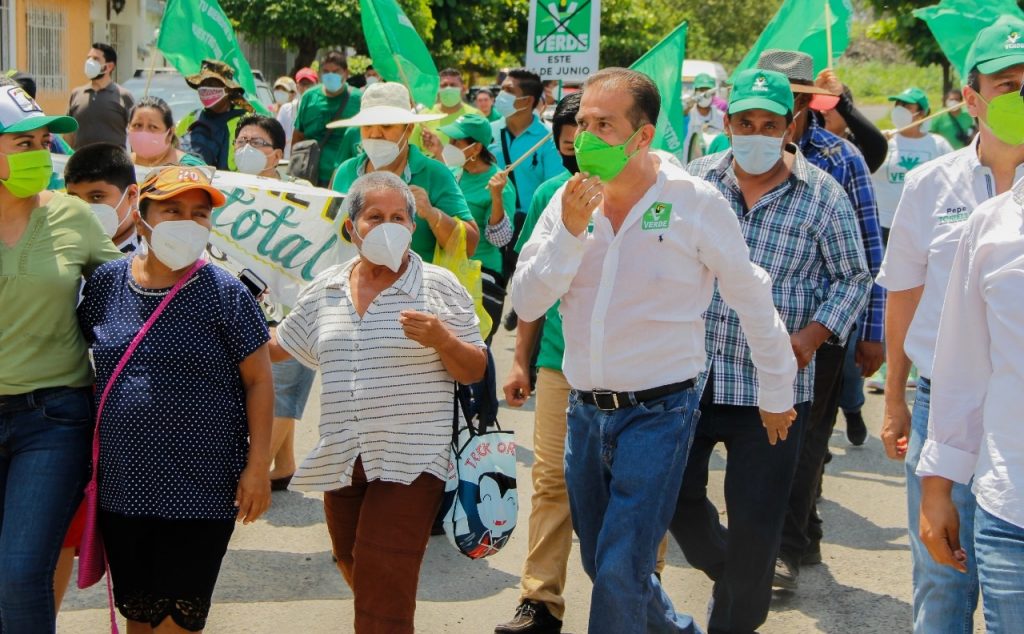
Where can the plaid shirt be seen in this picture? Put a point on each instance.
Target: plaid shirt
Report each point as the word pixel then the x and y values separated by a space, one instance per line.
pixel 843 162
pixel 804 234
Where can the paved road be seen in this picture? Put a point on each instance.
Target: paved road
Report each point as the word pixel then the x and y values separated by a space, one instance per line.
pixel 278 576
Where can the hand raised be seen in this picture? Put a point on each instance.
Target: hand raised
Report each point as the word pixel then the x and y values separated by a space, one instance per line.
pixel 582 195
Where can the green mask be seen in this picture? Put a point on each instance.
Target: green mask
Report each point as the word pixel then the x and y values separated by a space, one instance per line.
pixel 599 158
pixel 1006 118
pixel 30 173
pixel 450 96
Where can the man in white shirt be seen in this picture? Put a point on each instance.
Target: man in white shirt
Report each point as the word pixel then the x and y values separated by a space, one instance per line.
pixel 975 429
pixel 937 199
pixel 633 280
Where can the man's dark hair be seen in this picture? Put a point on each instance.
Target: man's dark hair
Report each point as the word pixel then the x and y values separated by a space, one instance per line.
pixel 109 54
pixel 529 83
pixel 101 162
pixel 451 72
pixel 974 79
pixel 646 98
pixel 565 114
pixel 334 57
pixel 269 125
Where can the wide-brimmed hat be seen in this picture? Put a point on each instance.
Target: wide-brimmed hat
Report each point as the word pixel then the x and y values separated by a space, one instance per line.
pixel 385 104
pixel 214 69
pixel 796 66
pixel 20 113
pixel 469 126
pixel 168 182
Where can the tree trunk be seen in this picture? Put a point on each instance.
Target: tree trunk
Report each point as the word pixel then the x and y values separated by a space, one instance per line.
pixel 305 56
pixel 947 79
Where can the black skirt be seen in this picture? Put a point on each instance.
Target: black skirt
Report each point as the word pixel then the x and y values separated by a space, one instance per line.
pixel 164 568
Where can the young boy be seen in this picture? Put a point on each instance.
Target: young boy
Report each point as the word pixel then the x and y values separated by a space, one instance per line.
pixel 102 174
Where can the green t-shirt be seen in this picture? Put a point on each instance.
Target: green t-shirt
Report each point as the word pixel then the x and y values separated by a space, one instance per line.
pixel 719 144
pixel 433 176
pixel 952 127
pixel 416 138
pixel 41 344
pixel 478 197
pixel 191 160
pixel 494 116
pixel 315 111
pixel 552 343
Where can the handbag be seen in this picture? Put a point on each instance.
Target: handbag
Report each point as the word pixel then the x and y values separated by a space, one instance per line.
pixel 480 503
pixel 453 257
pixel 92 557
pixel 304 160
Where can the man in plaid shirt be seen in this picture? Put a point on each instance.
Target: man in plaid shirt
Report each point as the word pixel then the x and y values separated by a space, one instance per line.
pixel 800 228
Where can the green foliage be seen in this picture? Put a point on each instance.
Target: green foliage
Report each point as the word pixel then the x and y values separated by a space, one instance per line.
pixel 872 81
pixel 479 36
pixel 724 30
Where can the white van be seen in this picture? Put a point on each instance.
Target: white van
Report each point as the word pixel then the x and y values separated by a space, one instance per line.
pixel 694 67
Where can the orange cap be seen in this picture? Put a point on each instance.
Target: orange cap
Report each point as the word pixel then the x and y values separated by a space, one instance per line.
pixel 167 182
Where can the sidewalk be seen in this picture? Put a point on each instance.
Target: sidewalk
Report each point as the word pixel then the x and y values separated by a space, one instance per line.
pixel 278 576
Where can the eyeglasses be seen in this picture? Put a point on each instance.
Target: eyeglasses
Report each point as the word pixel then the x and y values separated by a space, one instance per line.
pixel 257 143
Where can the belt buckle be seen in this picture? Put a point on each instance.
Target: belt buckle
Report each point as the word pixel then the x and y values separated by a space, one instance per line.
pixel 601 397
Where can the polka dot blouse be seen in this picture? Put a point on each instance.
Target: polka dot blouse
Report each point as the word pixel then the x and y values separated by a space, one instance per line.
pixel 174 435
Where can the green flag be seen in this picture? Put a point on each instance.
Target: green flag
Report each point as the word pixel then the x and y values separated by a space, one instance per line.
pixel 799 25
pixel 955 24
pixel 194 30
pixel 664 64
pixel 397 50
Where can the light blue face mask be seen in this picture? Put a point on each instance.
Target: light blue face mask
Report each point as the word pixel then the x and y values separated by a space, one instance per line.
pixel 331 81
pixel 755 153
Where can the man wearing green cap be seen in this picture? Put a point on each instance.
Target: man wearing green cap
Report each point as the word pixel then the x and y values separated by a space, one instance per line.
pixel 910 146
pixel 703 117
pixel 800 227
pixel 937 200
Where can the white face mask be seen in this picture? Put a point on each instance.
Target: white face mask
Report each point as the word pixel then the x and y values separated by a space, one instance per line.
pixel 107 216
pixel 901 117
pixel 371 81
pixel 385 244
pixel 381 152
pixel 93 68
pixel 755 153
pixel 704 99
pixel 952 103
pixel 250 160
pixel 178 243
pixel 453 156
pixel 505 104
pixel 282 96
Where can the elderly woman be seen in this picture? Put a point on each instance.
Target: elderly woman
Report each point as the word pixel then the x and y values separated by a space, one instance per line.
pixel 185 430
pixel 48 242
pixel 386 121
pixel 389 334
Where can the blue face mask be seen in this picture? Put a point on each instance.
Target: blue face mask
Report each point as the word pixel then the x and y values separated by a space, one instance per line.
pixel 755 153
pixel 332 81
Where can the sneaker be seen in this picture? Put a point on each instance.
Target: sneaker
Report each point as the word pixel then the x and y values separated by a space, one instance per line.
pixel 532 617
pixel 811 556
pixel 856 430
pixel 511 321
pixel 786 574
pixel 876 383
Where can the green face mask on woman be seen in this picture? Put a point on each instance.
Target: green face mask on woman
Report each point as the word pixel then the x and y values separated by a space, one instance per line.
pixel 29 173
pixel 599 158
pixel 1005 118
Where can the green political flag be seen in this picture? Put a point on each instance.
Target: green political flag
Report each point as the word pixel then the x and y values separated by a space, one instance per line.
pixel 398 51
pixel 194 30
pixel 799 25
pixel 955 24
pixel 664 64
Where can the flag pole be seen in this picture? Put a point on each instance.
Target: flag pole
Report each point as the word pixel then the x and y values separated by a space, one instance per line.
pixel 828 32
pixel 522 158
pixel 152 63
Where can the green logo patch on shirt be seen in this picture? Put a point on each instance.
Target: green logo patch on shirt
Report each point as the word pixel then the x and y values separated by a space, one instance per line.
pixel 657 217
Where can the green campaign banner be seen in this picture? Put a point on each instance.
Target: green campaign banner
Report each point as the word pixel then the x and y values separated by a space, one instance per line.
pixel 955 24
pixel 194 30
pixel 799 25
pixel 398 51
pixel 664 65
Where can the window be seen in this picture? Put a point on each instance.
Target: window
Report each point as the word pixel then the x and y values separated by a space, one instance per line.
pixel 46 29
pixel 121 40
pixel 7 31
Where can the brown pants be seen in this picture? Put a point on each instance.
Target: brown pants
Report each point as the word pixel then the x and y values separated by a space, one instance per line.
pixel 379 532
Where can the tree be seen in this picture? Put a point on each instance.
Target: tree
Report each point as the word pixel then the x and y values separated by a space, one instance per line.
pixel 897 24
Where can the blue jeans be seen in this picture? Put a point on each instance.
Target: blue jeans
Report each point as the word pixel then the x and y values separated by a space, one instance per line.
pixel 45 440
pixel 622 469
pixel 1000 548
pixel 944 599
pixel 851 396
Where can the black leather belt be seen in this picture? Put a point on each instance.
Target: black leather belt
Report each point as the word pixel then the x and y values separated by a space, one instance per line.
pixel 606 400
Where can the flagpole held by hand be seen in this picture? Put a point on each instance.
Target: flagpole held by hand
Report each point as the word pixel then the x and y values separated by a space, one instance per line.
pixel 526 155
pixel 828 33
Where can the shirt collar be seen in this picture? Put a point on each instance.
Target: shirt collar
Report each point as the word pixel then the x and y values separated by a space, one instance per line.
pixel 106 88
pixel 536 127
pixel 409 282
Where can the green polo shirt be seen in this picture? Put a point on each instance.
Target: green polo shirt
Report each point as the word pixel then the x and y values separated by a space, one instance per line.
pixel 552 343
pixel 433 176
pixel 951 127
pixel 417 133
pixel 41 344
pixel 478 197
pixel 315 111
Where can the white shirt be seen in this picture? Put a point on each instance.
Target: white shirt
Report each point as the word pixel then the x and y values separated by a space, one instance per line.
pixel 385 397
pixel 978 377
pixel 711 123
pixel 937 200
pixel 286 117
pixel 905 154
pixel 632 301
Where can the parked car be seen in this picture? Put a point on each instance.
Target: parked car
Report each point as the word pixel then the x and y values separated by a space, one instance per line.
pixel 169 85
pixel 694 67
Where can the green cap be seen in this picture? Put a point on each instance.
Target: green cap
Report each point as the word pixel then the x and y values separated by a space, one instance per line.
pixel 997 47
pixel 756 89
pixel 912 95
pixel 703 80
pixel 469 126
pixel 20 113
